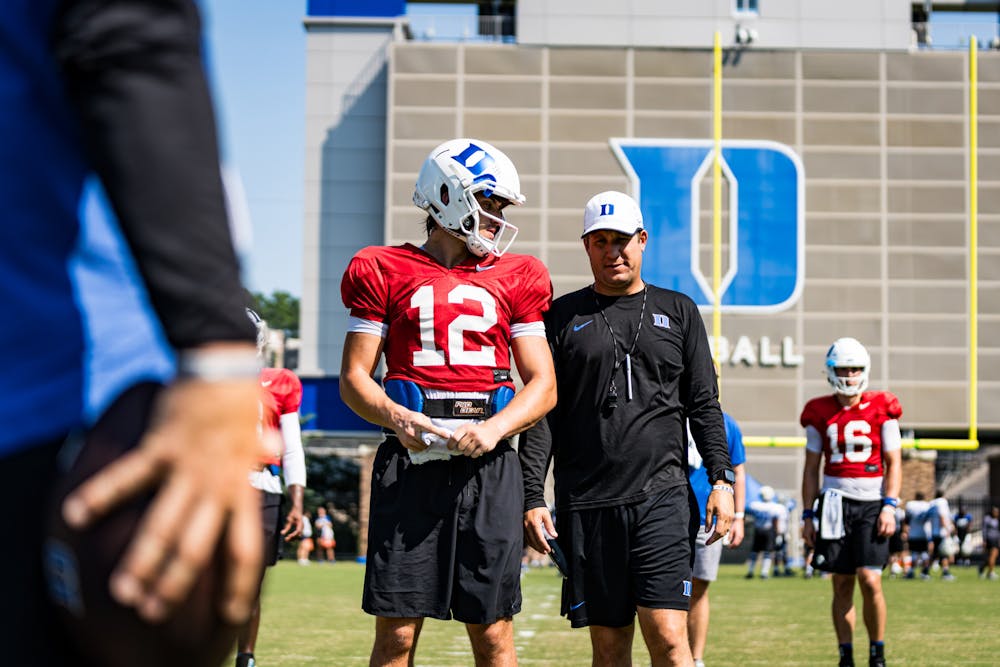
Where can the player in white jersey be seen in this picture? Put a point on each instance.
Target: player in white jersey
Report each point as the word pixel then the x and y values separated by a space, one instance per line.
pixel 917 535
pixel 768 515
pixel 942 528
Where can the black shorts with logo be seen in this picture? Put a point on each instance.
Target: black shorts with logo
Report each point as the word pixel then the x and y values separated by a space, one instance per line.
pixel 627 556
pixel 445 537
pixel 861 545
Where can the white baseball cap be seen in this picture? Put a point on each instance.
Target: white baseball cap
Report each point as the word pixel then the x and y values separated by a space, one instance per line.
pixel 612 210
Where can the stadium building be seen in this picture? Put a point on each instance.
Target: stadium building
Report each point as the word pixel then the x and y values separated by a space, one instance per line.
pixel 852 205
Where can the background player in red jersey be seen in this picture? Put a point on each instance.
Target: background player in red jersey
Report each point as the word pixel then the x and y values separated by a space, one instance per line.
pixel 281 435
pixel 445 536
pixel 857 432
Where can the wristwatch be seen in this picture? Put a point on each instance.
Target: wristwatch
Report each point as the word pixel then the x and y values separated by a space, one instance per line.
pixel 724 475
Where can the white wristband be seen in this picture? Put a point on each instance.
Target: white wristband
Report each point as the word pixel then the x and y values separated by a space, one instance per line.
pixel 723 487
pixel 739 515
pixel 218 365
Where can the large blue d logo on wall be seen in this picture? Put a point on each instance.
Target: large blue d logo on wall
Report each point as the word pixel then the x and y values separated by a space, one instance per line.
pixel 764 267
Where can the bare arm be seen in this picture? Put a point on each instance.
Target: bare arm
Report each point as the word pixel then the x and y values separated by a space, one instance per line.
pixel 534 364
pixel 810 491
pixel 893 482
pixel 365 396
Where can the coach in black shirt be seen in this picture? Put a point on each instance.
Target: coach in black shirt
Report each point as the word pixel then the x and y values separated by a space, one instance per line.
pixel 632 363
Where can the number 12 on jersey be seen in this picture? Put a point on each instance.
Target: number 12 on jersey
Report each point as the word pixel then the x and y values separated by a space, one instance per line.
pixel 429 354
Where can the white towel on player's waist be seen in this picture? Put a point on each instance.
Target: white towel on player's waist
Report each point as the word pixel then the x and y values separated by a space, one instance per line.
pixel 437 447
pixel 831 521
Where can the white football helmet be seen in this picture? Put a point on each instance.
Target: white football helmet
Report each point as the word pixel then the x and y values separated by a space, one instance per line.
pixel 263 333
pixel 847 353
pixel 767 493
pixel 447 185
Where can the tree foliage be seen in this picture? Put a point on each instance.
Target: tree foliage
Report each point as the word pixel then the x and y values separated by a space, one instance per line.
pixel 333 483
pixel 279 309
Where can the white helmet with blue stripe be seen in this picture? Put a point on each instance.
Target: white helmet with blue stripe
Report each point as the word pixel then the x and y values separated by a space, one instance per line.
pixel 447 185
pixel 847 353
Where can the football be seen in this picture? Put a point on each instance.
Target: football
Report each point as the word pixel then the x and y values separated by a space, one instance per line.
pixel 78 564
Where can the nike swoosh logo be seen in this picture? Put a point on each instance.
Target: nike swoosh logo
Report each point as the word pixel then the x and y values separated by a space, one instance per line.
pixel 577 327
pixel 267 383
pixel 480 267
pixel 577 606
pixel 863 405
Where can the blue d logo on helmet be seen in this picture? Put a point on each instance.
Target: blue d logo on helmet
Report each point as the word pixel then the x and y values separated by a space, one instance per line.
pixel 480 167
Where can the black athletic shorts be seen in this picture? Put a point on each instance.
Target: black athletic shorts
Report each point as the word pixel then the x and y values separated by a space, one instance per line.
pixel 628 556
pixel 861 545
pixel 763 539
pixel 270 508
pixel 445 537
pixel 918 545
pixel 896 544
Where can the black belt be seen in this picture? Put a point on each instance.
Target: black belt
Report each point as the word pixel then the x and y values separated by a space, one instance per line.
pixel 458 408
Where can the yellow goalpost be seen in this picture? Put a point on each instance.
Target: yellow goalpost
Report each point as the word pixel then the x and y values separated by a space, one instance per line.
pixel 970 443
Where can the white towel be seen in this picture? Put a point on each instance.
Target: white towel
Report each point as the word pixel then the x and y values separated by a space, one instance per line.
pixel 437 450
pixel 437 447
pixel 831 522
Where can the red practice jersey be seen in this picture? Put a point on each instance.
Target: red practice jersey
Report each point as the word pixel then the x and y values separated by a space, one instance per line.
pixel 282 395
pixel 852 437
pixel 447 328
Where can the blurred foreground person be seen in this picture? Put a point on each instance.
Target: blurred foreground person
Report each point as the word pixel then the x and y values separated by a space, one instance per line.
pixel 155 558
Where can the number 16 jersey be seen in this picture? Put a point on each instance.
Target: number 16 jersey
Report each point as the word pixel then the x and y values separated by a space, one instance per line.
pixel 446 328
pixel 852 440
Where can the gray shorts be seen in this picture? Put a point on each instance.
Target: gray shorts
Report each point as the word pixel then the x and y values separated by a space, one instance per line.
pixel 706 558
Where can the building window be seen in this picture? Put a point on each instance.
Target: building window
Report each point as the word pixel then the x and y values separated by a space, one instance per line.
pixel 745 7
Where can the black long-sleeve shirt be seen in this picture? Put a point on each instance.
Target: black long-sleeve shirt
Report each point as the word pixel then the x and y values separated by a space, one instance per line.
pixel 133 70
pixel 605 457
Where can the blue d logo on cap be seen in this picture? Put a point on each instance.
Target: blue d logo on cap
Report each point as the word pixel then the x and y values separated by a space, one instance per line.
pixel 613 211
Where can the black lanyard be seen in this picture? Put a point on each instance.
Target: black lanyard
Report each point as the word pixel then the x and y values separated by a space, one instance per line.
pixel 611 401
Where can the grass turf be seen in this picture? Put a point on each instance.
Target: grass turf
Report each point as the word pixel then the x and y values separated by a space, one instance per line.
pixel 312 616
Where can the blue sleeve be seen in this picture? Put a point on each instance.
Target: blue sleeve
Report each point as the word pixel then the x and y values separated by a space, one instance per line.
pixel 734 437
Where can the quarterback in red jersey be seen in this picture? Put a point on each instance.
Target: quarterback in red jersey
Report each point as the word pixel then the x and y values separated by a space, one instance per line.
pixel 281 436
pixel 445 535
pixel 857 432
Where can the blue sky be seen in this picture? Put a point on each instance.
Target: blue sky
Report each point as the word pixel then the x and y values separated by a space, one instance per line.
pixel 256 57
pixel 256 61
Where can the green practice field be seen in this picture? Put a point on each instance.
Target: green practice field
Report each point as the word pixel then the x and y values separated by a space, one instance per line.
pixel 312 617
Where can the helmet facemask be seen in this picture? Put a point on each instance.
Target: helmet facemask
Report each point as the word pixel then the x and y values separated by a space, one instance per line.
pixel 472 224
